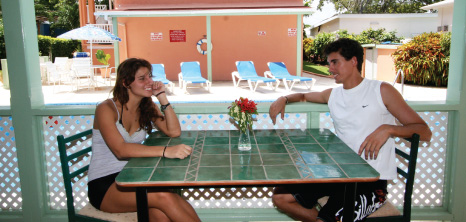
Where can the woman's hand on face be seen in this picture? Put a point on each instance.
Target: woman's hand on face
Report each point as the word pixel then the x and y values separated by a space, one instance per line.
pixel 157 87
pixel 178 151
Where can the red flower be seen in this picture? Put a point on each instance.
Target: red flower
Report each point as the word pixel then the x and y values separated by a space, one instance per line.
pixel 246 105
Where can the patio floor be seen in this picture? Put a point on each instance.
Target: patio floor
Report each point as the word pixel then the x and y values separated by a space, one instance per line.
pixel 221 91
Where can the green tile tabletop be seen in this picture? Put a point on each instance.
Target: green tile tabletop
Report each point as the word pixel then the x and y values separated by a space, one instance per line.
pixel 277 157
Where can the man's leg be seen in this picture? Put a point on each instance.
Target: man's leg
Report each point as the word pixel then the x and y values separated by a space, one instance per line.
pixel 287 203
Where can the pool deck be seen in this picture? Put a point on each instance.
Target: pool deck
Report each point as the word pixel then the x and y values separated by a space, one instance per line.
pixel 221 91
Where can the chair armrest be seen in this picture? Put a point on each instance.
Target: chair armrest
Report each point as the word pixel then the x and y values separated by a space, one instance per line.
pixel 235 74
pixel 268 74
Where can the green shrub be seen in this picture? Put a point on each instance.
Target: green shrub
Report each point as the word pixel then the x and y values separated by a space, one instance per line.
pixel 57 47
pixel 307 42
pixel 314 50
pixel 343 33
pixel 377 36
pixel 44 44
pixel 2 42
pixel 425 59
pixel 318 45
pixel 64 47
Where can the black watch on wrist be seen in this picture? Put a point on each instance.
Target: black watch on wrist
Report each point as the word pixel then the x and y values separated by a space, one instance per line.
pixel 163 107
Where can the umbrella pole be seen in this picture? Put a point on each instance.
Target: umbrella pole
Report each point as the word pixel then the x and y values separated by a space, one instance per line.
pixel 91 54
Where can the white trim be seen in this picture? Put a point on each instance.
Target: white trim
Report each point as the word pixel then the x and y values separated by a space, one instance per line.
pixel 367 16
pixel 206 12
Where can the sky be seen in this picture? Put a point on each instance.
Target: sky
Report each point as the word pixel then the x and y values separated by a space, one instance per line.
pixel 327 11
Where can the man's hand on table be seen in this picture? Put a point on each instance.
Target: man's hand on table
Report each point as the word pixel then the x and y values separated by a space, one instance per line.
pixel 277 107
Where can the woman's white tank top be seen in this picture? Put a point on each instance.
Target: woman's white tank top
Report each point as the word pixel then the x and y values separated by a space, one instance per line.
pixel 103 161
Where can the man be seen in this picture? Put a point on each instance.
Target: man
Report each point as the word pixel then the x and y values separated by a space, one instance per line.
pixel 364 113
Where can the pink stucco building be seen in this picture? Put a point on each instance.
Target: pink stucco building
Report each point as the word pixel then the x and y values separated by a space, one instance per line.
pixel 168 31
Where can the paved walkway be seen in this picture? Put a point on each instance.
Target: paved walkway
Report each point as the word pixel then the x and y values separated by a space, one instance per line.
pixel 222 91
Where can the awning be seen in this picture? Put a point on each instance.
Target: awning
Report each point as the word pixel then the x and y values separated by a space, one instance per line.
pixel 206 12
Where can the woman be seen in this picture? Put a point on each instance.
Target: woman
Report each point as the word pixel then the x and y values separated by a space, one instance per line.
pixel 120 125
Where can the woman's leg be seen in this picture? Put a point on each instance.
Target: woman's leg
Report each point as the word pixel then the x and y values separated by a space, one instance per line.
pixel 161 203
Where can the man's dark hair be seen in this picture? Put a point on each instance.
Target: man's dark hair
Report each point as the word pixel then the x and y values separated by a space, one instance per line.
pixel 347 48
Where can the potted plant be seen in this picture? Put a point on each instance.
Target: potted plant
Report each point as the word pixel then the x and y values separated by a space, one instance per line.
pixel 103 58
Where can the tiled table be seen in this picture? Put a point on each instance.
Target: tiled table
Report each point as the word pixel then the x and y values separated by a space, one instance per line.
pixel 277 157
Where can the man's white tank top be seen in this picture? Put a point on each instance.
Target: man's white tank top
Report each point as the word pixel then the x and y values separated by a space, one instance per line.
pixel 103 161
pixel 358 112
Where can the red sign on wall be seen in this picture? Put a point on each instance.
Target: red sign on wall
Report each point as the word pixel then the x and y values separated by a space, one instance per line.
pixel 177 35
pixel 261 33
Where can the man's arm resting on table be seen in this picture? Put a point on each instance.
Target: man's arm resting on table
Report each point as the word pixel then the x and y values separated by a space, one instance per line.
pixel 279 105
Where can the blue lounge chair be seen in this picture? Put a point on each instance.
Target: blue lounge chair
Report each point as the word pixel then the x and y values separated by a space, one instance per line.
pixel 247 71
pixel 191 73
pixel 278 70
pixel 158 74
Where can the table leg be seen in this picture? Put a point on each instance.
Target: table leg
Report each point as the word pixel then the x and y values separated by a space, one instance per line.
pixel 350 197
pixel 141 201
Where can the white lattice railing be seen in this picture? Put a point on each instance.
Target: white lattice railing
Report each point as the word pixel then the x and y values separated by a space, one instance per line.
pixel 100 8
pixel 10 186
pixel 428 189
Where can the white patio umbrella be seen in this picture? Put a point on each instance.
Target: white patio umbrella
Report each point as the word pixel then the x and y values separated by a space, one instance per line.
pixel 89 33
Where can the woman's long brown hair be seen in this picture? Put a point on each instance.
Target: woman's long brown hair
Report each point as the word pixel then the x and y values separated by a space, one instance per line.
pixel 126 73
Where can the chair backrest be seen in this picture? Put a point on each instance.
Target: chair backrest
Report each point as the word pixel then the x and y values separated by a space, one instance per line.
pixel 190 69
pixel 409 173
pixel 278 69
pixel 408 177
pixel 52 72
pixel 158 71
pixel 75 152
pixel 81 66
pixel 60 60
pixel 62 64
pixel 246 69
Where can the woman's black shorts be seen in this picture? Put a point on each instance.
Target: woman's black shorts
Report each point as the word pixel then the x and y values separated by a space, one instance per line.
pixel 98 188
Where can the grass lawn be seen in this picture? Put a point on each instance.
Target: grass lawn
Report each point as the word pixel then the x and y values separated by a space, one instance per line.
pixel 311 67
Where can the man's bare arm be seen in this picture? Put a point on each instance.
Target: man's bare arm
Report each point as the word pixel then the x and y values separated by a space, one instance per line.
pixel 410 120
pixel 279 105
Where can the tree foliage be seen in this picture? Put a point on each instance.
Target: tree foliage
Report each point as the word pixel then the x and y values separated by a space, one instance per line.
pixel 66 15
pixel 377 6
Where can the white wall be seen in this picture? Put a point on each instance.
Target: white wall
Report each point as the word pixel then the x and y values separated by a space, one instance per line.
pixel 327 27
pixel 445 17
pixel 404 25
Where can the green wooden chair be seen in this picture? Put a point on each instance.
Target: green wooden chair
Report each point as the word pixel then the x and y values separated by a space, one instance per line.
pixel 75 165
pixel 388 212
pixel 391 213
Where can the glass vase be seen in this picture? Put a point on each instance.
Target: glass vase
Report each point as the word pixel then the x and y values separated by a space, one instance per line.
pixel 244 143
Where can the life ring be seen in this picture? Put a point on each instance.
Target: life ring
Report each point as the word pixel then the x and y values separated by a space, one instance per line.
pixel 199 43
